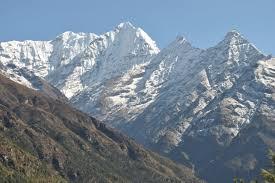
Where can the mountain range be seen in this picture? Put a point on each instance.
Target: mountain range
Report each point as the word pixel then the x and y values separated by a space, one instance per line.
pixel 43 139
pixel 209 109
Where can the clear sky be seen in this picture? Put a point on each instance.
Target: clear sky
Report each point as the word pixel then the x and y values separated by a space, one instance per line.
pixel 202 22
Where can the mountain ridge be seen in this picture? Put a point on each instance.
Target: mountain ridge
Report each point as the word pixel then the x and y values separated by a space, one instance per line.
pixel 72 146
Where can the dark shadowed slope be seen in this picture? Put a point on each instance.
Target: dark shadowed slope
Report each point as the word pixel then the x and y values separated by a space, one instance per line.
pixel 45 139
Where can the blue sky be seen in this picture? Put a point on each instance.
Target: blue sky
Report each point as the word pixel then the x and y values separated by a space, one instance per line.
pixel 202 22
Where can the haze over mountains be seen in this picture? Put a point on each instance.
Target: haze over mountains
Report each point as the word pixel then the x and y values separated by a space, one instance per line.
pixel 210 109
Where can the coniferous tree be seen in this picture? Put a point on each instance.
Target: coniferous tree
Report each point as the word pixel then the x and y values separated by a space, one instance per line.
pixel 269 175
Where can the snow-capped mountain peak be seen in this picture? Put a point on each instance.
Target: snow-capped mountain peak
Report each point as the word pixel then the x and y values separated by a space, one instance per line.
pixel 69 35
pixel 181 39
pixel 233 33
pixel 42 57
pixel 107 56
pixel 131 34
pixel 180 43
pixel 233 37
pixel 126 25
pixel 234 40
